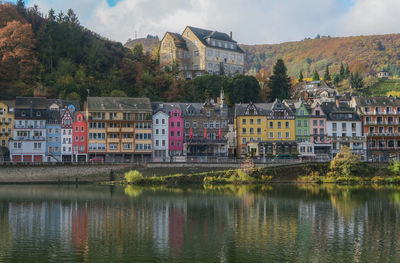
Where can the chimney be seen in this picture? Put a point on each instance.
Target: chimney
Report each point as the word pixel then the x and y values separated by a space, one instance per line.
pixel 230 34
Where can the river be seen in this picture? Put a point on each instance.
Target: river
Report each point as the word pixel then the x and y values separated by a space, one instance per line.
pixel 269 223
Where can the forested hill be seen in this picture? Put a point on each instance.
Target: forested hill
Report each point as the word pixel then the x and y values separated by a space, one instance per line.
pixel 365 54
pixel 53 55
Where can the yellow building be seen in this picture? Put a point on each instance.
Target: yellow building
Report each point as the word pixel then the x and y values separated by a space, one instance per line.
pixel 251 127
pixel 119 129
pixel 281 130
pixel 6 122
pixel 197 51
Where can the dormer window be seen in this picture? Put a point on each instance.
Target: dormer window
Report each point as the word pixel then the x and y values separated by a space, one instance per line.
pixel 188 34
pixel 219 44
pixel 213 42
pixel 226 45
pixel 23 113
pixel 232 46
pixel 38 114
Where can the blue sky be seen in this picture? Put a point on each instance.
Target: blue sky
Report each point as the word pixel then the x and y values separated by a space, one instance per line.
pixel 251 21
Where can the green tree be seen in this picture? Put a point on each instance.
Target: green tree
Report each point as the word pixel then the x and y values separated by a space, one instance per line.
pixel 316 76
pixel 327 76
pixel 137 50
pixel 301 76
pixel 279 82
pixel 346 72
pixel 356 82
pixel 341 72
pixel 336 79
pixel 21 4
pixel 117 93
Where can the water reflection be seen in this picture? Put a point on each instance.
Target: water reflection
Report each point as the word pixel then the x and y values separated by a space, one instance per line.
pixel 290 223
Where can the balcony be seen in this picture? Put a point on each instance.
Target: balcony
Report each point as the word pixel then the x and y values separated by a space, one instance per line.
pixel 113 129
pixel 127 129
pixel 113 139
pixel 206 141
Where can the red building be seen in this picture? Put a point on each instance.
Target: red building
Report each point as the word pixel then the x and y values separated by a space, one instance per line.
pixel 79 139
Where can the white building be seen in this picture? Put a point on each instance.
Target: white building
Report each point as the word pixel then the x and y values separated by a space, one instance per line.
pixel 29 140
pixel 66 134
pixel 344 127
pixel 160 132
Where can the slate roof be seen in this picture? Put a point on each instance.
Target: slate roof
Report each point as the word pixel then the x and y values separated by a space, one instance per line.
pixel 377 101
pixel 339 113
pixel 9 103
pixel 203 34
pixel 165 107
pixel 53 117
pixel 178 40
pixel 25 103
pixel 118 104
pixel 63 103
pixel 262 108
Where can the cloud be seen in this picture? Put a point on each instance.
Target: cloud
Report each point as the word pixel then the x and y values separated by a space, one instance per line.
pixel 255 21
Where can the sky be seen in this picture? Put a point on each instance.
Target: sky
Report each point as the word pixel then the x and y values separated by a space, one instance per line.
pixel 251 21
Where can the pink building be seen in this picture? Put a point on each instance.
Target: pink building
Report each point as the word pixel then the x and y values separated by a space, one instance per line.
pixel 175 132
pixel 318 132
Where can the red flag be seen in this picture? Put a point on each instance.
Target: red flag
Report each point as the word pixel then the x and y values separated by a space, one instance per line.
pixel 205 133
pixel 220 133
pixel 191 133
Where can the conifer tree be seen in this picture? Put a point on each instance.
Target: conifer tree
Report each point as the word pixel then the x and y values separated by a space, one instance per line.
pixel 316 76
pixel 327 76
pixel 356 82
pixel 279 82
pixel 336 79
pixel 347 72
pixel 341 72
pixel 301 76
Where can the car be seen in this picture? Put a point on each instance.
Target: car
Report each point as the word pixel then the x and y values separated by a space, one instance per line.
pixel 96 160
pixel 282 157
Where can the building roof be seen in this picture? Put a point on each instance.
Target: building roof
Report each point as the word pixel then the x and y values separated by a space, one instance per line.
pixel 118 104
pixel 262 108
pixel 76 115
pixel 53 117
pixel 9 103
pixel 165 107
pixel 377 101
pixel 26 102
pixel 203 34
pixel 178 40
pixel 63 103
pixel 341 112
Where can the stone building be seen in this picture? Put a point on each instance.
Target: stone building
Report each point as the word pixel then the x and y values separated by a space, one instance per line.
pixel 197 51
pixel 205 129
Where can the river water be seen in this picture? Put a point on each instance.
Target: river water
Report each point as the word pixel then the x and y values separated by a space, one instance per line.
pixel 277 223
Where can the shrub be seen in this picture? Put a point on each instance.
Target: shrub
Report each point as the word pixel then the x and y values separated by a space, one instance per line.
pixel 395 167
pixel 378 180
pixel 347 179
pixel 241 176
pixel 133 176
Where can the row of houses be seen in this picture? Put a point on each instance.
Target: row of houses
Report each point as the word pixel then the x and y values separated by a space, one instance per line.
pixel 134 129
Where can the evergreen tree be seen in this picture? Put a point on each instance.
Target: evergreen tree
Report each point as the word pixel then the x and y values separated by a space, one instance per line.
pixel 301 76
pixel 327 76
pixel 356 82
pixel 316 76
pixel 279 82
pixel 346 72
pixel 341 72
pixel 336 79
pixel 20 4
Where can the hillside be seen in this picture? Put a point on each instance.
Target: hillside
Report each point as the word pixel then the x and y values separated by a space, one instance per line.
pixel 149 43
pixel 366 54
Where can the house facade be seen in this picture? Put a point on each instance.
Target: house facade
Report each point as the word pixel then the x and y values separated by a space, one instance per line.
pixel 66 134
pixel 206 127
pixel 319 135
pixel 6 122
pixel 381 126
pixel 119 128
pixel 29 140
pixel 176 132
pixel 344 128
pixel 79 137
pixel 160 132
pixel 251 127
pixel 53 136
pixel 197 51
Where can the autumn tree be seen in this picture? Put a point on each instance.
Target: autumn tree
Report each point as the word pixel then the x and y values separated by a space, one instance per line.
pixel 279 82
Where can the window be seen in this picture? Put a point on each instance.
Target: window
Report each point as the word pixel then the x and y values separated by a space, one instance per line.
pixel 321 122
pixel 305 123
pixel 205 124
pixel 334 126
pixel 258 130
pixel 127 146
pixel 196 53
pixel 76 138
pixel 162 121
pixel 178 124
pixel 258 121
pixel 178 134
pixel 271 124
pixel 287 135
pixel 279 135
pixel 251 131
pixel 172 143
pixel 251 121
pixel 279 125
pixel 244 140
pixel 343 126
pixel 163 131
pixel 172 134
pixel 299 123
pixel 315 122
pixel 113 146
pixel 163 142
pixel 353 126
pixel 172 124
pixel 157 142
pixel 321 131
pixel 195 124
pixel 244 130
pixel 243 121
pixel 317 112
pixel 286 124
pixel 157 121
pixel 187 124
